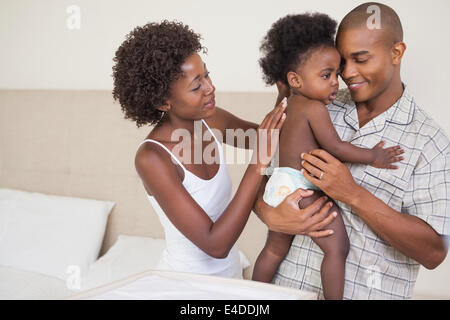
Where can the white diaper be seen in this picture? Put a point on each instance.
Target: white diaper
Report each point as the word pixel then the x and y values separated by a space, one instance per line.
pixel 282 183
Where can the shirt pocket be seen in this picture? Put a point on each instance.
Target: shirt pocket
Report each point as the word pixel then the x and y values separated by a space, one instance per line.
pixel 385 185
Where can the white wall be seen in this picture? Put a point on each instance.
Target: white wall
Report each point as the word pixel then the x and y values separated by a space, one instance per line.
pixel 38 51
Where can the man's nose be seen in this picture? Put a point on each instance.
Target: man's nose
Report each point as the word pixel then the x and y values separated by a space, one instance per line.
pixel 348 71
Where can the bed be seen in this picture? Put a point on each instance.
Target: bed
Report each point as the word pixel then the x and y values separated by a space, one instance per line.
pixel 127 271
pixel 49 246
pixel 76 146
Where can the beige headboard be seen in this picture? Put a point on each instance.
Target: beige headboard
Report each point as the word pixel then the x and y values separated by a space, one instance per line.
pixel 77 143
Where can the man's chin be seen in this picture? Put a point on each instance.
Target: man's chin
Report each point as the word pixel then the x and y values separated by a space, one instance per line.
pixel 359 97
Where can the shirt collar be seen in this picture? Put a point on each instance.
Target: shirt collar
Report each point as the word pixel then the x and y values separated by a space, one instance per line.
pixel 401 112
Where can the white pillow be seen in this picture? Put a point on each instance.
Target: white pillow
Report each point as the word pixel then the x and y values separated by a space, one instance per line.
pixel 129 255
pixel 50 234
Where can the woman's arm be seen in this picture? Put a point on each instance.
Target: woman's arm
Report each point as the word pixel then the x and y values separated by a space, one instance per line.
pixel 223 120
pixel 408 234
pixel 240 132
pixel 161 179
pixel 327 137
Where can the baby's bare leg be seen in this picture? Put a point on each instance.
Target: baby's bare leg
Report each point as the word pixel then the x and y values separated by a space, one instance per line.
pixel 276 248
pixel 335 249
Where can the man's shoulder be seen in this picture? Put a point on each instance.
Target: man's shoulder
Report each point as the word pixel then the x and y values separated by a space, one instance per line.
pixel 435 139
pixel 426 126
pixel 430 138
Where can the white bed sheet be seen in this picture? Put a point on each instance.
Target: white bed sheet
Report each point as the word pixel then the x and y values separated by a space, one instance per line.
pixel 166 285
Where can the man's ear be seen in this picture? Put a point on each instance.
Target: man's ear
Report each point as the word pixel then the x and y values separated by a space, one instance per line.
pixel 295 81
pixel 397 52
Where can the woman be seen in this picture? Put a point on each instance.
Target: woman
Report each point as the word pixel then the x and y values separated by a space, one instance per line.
pixel 159 78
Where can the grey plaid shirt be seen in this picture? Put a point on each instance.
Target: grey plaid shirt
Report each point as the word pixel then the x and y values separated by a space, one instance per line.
pixel 420 187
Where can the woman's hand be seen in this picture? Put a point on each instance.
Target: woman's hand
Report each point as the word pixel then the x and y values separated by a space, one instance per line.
pixel 268 136
pixel 288 218
pixel 330 175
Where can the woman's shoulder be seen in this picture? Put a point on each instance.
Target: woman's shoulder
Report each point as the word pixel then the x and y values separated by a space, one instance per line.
pixel 153 150
pixel 153 162
pixel 150 154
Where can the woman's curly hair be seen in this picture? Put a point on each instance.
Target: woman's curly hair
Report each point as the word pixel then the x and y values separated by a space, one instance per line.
pixel 291 40
pixel 147 63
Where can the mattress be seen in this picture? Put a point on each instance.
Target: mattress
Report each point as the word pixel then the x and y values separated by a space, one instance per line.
pixel 167 285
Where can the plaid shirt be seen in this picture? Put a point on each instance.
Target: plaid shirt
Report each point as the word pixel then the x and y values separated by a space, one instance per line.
pixel 420 187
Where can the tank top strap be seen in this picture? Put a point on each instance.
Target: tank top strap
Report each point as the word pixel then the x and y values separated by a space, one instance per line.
pixel 219 144
pixel 165 148
pixel 212 133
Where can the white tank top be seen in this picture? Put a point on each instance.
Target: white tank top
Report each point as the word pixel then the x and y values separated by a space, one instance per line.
pixel 213 196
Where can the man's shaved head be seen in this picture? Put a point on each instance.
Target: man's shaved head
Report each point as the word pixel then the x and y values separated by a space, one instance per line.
pixel 366 14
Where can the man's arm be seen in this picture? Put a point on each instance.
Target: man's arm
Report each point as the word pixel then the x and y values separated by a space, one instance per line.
pixel 408 234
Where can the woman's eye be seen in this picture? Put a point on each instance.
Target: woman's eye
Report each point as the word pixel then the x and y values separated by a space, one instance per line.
pixel 195 89
pixel 361 61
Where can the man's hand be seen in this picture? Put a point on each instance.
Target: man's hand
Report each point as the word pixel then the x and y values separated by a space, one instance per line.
pixel 330 175
pixel 288 218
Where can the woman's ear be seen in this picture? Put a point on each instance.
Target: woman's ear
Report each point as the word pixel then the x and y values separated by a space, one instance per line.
pixel 397 52
pixel 295 80
pixel 165 107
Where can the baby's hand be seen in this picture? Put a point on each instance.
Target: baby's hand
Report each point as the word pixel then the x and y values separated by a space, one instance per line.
pixel 383 158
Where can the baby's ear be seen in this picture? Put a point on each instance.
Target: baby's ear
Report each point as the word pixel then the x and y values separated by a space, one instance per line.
pixel 294 80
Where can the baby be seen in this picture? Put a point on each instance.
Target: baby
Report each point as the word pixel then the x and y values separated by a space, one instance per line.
pixel 299 53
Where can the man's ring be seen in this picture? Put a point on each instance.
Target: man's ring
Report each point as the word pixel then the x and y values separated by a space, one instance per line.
pixel 321 176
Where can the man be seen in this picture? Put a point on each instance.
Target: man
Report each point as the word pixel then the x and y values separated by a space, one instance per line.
pixel 396 220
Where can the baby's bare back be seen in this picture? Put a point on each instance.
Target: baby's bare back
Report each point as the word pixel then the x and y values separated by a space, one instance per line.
pixel 296 136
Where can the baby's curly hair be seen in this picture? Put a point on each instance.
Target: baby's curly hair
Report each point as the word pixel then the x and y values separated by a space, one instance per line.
pixel 291 40
pixel 147 63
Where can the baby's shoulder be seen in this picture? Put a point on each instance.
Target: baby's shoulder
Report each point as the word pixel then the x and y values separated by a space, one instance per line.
pixel 309 107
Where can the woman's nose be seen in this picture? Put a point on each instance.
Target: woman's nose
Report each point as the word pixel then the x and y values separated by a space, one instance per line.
pixel 209 88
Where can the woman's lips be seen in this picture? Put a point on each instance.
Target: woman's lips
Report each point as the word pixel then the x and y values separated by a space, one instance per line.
pixel 211 103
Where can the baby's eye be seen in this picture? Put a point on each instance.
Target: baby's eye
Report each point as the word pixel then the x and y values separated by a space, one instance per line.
pixel 207 75
pixel 195 89
pixel 326 76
